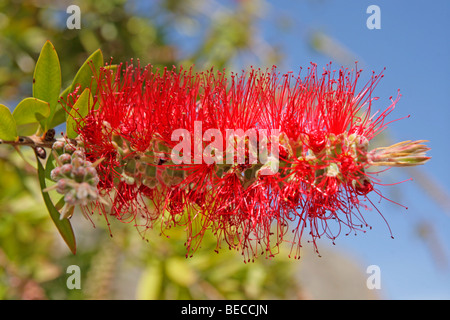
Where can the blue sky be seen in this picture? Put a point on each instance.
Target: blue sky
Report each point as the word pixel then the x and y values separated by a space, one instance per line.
pixel 413 44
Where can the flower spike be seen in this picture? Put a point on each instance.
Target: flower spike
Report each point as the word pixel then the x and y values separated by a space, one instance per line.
pixel 245 157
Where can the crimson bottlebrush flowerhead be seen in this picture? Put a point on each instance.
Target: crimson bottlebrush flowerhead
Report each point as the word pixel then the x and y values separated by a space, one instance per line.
pixel 247 157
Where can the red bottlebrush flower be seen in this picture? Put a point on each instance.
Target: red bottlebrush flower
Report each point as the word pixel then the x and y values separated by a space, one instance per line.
pixel 247 157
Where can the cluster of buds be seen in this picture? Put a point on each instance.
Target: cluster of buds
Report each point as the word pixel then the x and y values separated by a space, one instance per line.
pixel 76 178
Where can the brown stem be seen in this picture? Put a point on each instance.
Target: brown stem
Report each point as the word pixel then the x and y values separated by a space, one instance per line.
pixel 31 141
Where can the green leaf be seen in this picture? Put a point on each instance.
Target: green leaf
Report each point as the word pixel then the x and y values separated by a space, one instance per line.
pixel 83 78
pixel 58 118
pixel 31 110
pixel 80 110
pixel 49 166
pixel 64 227
pixel 29 129
pixel 8 127
pixel 85 74
pixel 47 78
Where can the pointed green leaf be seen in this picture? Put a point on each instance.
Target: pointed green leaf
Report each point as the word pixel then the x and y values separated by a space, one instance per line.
pixel 83 78
pixel 47 78
pixel 85 74
pixel 28 129
pixel 60 114
pixel 8 128
pixel 79 111
pixel 31 110
pixel 59 117
pixel 64 227
pixel 49 166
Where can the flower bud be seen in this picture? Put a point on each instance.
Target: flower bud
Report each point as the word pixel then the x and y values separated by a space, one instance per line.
pixel 70 198
pixel 62 186
pixel 65 158
pixel 55 174
pixel 79 173
pixel 82 190
pixel 66 169
pixel 58 146
pixel 78 154
pixel 69 148
pixel 90 172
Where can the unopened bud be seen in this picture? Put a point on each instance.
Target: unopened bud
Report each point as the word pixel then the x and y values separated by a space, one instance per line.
pixel 402 154
pixel 62 186
pixel 55 174
pixel 58 146
pixel 66 169
pixel 79 173
pixel 69 148
pixel 78 154
pixel 65 158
